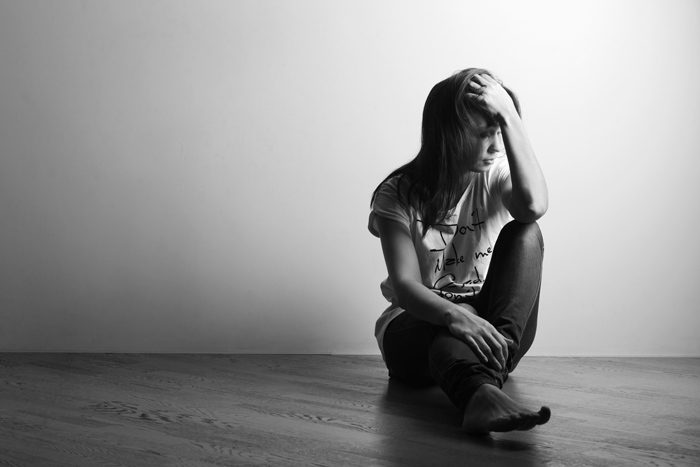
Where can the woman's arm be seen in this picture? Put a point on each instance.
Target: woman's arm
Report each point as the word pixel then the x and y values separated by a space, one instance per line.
pixel 417 299
pixel 525 193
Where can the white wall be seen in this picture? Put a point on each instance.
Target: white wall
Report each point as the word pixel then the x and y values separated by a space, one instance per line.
pixel 195 176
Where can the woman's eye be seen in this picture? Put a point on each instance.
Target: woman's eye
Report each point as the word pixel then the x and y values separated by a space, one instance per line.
pixel 492 133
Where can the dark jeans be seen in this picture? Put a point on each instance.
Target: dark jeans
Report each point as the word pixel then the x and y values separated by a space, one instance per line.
pixel 419 353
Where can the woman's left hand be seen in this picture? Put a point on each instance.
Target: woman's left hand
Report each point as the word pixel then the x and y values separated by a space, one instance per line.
pixel 489 93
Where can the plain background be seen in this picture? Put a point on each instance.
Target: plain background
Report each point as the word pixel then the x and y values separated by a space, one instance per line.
pixel 195 176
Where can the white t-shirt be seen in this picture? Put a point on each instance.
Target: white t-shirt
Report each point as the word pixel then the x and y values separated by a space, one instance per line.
pixel 453 256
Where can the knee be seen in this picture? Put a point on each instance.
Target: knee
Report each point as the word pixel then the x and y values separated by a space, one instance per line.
pixel 528 234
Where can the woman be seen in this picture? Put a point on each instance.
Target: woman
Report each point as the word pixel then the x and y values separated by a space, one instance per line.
pixel 463 252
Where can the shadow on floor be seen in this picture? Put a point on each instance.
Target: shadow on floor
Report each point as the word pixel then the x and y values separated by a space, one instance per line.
pixel 422 427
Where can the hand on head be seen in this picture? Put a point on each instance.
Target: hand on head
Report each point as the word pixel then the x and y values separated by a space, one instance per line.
pixel 489 93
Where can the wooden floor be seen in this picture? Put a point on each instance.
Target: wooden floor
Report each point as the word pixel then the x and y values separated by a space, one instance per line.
pixel 152 410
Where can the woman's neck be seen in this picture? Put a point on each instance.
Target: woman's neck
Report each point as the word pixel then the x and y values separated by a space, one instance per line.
pixel 464 182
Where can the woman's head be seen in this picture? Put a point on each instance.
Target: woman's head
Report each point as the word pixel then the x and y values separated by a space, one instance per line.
pixel 454 125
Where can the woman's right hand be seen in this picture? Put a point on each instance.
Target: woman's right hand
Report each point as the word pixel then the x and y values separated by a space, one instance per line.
pixel 487 343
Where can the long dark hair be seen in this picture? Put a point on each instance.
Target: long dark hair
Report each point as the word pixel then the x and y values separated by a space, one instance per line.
pixel 434 175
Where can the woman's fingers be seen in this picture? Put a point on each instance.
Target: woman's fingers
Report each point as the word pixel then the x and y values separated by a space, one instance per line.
pixel 505 349
pixel 503 342
pixel 493 360
pixel 497 348
pixel 490 79
pixel 490 346
pixel 481 90
pixel 484 83
pixel 498 343
pixel 480 79
pixel 477 349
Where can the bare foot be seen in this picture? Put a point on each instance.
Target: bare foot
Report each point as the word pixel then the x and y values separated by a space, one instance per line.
pixel 490 409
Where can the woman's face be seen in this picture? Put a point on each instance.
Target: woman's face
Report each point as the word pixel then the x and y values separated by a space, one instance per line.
pixel 487 144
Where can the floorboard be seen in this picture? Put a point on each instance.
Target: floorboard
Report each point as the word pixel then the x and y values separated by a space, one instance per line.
pixel 165 409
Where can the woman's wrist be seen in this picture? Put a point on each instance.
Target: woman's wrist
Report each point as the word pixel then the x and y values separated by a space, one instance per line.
pixel 452 313
pixel 507 117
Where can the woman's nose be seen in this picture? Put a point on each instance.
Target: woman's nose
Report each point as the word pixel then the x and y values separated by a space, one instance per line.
pixel 496 145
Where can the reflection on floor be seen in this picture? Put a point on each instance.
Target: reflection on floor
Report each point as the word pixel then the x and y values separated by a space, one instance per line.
pixel 128 409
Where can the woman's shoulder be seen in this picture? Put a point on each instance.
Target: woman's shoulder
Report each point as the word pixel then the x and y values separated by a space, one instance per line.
pixel 390 201
pixel 395 189
pixel 393 182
